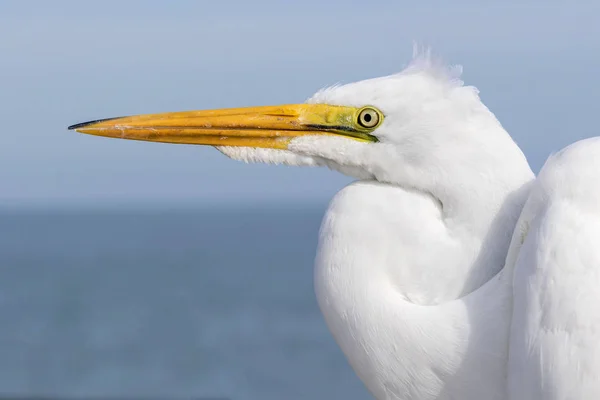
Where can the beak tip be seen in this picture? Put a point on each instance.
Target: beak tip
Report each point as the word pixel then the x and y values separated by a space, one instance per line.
pixel 88 123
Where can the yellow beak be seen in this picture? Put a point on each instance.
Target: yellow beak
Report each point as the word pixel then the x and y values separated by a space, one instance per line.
pixel 268 126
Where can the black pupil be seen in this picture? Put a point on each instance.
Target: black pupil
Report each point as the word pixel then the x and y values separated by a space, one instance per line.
pixel 367 117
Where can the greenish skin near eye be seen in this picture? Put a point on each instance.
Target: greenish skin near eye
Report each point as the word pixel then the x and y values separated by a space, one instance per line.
pixel 368 118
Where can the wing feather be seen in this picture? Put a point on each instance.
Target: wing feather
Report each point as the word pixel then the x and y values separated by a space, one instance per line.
pixel 554 349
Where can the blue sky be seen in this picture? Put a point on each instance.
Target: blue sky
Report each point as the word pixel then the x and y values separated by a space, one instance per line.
pixel 535 63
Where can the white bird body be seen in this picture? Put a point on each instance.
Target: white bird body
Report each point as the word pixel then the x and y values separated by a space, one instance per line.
pixel 403 347
pixel 447 271
pixel 555 335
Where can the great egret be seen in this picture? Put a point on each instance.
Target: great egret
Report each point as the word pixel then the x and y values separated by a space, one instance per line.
pixel 447 270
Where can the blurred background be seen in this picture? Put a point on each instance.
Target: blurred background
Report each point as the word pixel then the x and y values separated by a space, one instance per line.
pixel 144 269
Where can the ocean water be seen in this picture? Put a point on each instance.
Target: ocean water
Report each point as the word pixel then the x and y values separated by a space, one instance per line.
pixel 166 304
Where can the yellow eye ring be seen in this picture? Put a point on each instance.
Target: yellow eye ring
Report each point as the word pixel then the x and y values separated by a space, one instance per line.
pixel 368 117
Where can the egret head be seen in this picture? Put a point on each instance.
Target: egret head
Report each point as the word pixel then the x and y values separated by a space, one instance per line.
pixel 421 127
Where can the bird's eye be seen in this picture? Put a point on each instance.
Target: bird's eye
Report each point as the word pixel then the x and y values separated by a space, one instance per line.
pixel 368 118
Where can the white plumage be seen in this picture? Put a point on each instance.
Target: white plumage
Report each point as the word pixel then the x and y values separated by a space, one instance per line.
pixel 555 334
pixel 413 273
pixel 447 270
